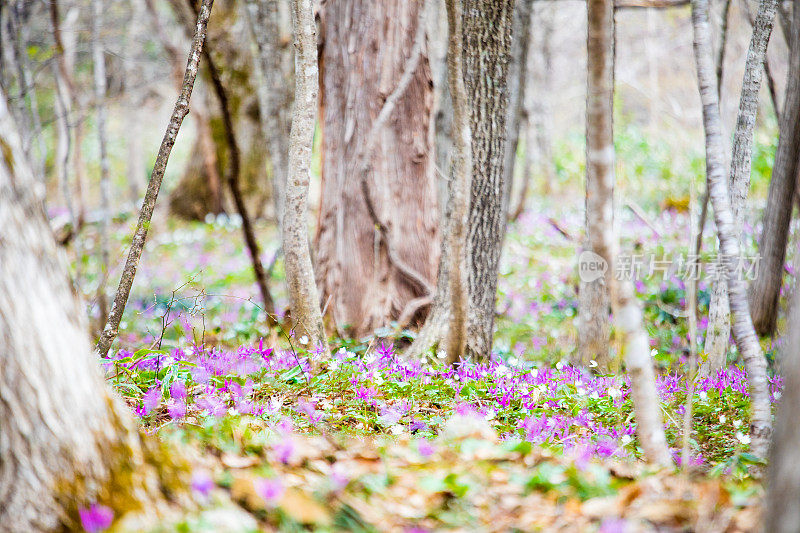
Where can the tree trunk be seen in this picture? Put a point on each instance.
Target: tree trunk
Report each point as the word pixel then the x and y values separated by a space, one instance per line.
pixel 739 181
pixel 778 213
pixel 460 183
pixel 487 44
pixel 303 295
pixel 517 87
pixel 98 59
pixel 728 231
pixel 600 229
pixel 198 192
pixel 68 441
pixel 365 48
pixel 594 299
pixel 111 329
pixel 782 513
pixel 273 87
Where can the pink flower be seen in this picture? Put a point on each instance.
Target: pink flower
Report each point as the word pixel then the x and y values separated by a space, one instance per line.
pixel 270 489
pixel 96 518
pixel 176 409
pixel 202 482
pixel 151 400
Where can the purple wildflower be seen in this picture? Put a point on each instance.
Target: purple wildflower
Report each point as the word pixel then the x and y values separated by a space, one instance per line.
pixel 270 489
pixel 96 518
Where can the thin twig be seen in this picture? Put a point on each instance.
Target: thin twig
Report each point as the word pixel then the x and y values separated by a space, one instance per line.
pixel 111 329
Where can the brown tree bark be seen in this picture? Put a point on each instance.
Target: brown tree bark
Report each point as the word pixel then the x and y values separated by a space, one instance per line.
pixel 766 287
pixel 364 49
pixel 487 47
pixel 67 441
pixel 728 234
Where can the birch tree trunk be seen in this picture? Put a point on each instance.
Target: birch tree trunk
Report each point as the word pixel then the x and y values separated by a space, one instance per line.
pixel 600 229
pixel 67 439
pixel 362 250
pixel 765 289
pixel 487 44
pixel 303 295
pixel 739 181
pixel 728 231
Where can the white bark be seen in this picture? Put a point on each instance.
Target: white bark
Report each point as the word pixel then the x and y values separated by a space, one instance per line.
pixel 739 180
pixel 303 293
pixel 64 433
pixel 728 232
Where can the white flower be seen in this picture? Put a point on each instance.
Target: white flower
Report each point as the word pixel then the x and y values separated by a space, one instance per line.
pixel 560 365
pixel 744 439
pixel 626 439
pixel 653 352
pixel 722 419
pixel 594 395
pixel 592 363
pixel 304 339
pixel 737 423
pixel 614 393
pixel 703 395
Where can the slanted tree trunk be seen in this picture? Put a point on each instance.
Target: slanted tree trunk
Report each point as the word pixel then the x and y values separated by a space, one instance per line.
pixel 111 329
pixel 765 289
pixel 365 47
pixel 600 229
pixel 487 47
pixel 728 231
pixel 67 441
pixel 303 294
pixel 782 513
pixel 739 181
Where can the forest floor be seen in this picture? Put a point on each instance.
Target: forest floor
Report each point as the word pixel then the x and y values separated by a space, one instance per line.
pixel 376 443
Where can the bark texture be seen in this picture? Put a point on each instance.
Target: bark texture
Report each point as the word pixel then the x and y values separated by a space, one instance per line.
pixel 67 440
pixel 600 179
pixel 765 289
pixel 303 294
pixel 111 329
pixel 373 260
pixel 728 234
pixel 739 181
pixel 487 44
pixel 460 178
